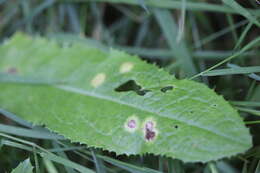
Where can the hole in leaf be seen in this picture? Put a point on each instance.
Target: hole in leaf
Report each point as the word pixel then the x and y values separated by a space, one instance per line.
pixel 131 85
pixel 142 92
pixel 165 89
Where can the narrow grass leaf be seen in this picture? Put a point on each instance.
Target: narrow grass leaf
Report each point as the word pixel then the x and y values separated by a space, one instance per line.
pixel 220 33
pixel 181 22
pixel 38 9
pixel 232 71
pixel 246 103
pixel 175 166
pixel 216 55
pixel 2 1
pixel 59 149
pixel 62 153
pixel 15 118
pixel 50 166
pixel 241 10
pixel 233 30
pixel 18 131
pixel 100 167
pixel 169 4
pixel 161 163
pixel 225 166
pixel 9 143
pixel 128 167
pixel 257 169
pixel 251 44
pixel 244 169
pixel 251 75
pixel 243 35
pixel 156 53
pixel 24 167
pixel 73 18
pixel 251 111
pixel 179 49
pixel 65 162
pixel 123 165
pixel 252 122
pixel 213 167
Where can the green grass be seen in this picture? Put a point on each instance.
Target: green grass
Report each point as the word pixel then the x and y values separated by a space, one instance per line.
pixel 214 42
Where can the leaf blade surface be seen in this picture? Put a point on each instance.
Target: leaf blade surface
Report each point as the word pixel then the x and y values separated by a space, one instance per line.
pixel 177 118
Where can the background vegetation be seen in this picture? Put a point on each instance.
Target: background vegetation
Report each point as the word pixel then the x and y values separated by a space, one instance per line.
pixel 183 37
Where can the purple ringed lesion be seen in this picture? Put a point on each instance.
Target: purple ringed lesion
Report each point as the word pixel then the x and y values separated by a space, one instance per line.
pixel 149 129
pixel 131 124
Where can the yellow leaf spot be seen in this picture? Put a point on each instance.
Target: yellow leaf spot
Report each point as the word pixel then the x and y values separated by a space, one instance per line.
pixel 98 80
pixel 126 67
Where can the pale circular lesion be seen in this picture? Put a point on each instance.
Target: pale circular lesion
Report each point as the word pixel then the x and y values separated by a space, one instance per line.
pixel 98 80
pixel 126 67
pixel 131 124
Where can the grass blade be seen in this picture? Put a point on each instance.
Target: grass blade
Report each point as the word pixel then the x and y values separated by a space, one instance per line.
pixel 49 166
pixel 128 167
pixel 65 162
pixel 15 118
pixel 245 48
pixel 220 33
pixel 241 10
pixel 243 35
pixel 169 4
pixel 179 49
pixel 246 103
pixel 100 167
pixel 213 168
pixel 28 132
pixel 232 71
pixel 251 111
pixel 15 145
pixel 257 169
pixel 24 167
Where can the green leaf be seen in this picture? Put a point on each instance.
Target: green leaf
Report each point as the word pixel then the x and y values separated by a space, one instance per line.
pixel 117 102
pixel 24 167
